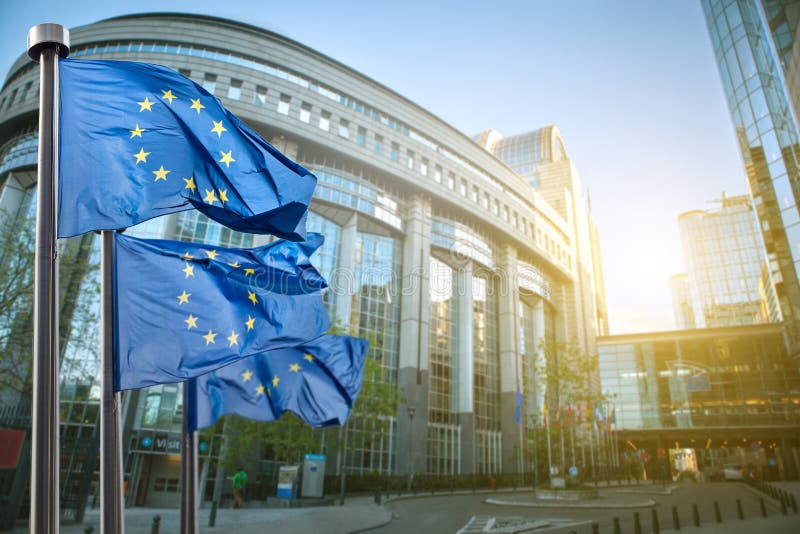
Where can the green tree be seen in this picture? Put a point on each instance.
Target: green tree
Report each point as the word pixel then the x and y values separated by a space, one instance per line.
pixel 79 304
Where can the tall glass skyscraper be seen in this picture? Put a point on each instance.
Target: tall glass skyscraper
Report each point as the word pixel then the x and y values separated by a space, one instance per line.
pixel 754 43
pixel 727 280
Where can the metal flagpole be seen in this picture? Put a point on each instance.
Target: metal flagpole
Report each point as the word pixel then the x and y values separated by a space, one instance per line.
pixel 46 43
pixel 561 433
pixel 591 454
pixel 572 440
pixel 189 520
pixel 549 450
pixel 111 487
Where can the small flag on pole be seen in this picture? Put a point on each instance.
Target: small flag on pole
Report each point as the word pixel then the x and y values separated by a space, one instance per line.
pixel 544 414
pixel 317 381
pixel 141 141
pixel 518 407
pixel 184 309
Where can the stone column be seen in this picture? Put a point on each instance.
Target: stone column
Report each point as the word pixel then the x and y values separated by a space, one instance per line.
pixel 464 368
pixel 344 283
pixel 540 384
pixel 508 303
pixel 412 376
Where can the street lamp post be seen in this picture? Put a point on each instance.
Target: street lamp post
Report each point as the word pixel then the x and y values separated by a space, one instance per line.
pixel 411 410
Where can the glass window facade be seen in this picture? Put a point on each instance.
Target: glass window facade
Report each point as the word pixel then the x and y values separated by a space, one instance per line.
pixel 752 41
pixel 725 380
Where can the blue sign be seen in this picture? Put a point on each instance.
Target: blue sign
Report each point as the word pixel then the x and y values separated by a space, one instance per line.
pixel 147 441
pixel 698 383
pixel 573 471
pixel 202 446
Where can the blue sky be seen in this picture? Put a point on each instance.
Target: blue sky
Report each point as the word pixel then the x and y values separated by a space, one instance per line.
pixel 632 85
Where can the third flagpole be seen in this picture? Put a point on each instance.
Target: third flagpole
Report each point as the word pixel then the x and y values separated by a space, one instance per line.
pixel 46 43
pixel 111 485
pixel 189 521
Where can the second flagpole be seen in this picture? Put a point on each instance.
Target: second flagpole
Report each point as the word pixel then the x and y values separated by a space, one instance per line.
pixel 111 485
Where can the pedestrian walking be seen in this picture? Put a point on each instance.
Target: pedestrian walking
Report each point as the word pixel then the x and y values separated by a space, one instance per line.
pixel 239 482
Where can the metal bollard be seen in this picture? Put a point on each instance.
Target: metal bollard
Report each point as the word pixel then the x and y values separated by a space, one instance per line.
pixel 695 515
pixel 212 516
pixel 595 528
pixel 637 523
pixel 378 496
pixel 763 507
pixel 793 502
pixel 717 513
pixel 676 522
pixel 784 510
pixel 156 523
pixel 739 510
pixel 616 526
pixel 654 520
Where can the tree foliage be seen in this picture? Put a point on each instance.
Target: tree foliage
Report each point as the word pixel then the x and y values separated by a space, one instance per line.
pixel 79 305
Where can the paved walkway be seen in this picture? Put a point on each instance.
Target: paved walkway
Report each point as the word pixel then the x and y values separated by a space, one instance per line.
pixel 357 514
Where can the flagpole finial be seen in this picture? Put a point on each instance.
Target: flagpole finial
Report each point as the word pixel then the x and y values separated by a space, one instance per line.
pixel 47 35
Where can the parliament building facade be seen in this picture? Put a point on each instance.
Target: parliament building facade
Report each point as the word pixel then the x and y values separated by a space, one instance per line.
pixel 456 256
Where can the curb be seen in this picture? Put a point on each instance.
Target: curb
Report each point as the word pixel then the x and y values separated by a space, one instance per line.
pixel 649 503
pixel 388 516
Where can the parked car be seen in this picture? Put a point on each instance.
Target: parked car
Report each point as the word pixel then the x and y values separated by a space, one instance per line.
pixel 733 472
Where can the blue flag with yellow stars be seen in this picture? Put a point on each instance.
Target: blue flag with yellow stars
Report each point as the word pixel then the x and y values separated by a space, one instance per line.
pixel 184 309
pixel 317 381
pixel 138 141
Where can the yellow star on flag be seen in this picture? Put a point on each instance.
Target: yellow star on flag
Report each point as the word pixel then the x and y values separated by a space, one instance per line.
pixel 233 339
pixel 196 104
pixel 161 174
pixel 308 357
pixel 252 297
pixel 223 196
pixel 227 159
pixel 137 132
pixel 295 367
pixel 218 128
pixel 191 322
pixel 189 270
pixel 210 197
pixel 210 337
pixel 183 298
pixel 248 272
pixel 247 375
pixel 275 381
pixel 260 390
pixel 251 323
pixel 187 256
pixel 190 183
pixel 212 254
pixel 145 105
pixel 141 156
pixel 235 265
pixel 168 95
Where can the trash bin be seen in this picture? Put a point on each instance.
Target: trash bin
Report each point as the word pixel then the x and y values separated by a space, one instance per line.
pixel 313 475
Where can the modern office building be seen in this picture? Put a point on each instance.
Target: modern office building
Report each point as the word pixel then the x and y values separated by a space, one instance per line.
pixel 756 50
pixel 681 301
pixel 714 395
pixel 445 256
pixel 728 282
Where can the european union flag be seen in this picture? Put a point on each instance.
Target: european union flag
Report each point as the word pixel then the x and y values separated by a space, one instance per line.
pixel 317 381
pixel 518 407
pixel 139 141
pixel 184 309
